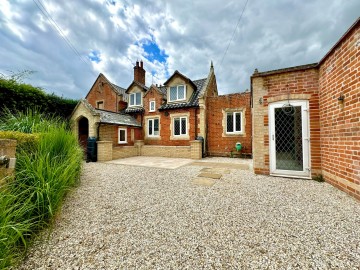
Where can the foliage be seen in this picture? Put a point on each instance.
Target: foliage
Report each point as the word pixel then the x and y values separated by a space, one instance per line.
pixel 30 121
pixel 24 140
pixel 43 176
pixel 17 96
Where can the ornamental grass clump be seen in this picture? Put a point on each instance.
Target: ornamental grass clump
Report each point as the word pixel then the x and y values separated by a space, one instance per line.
pixel 30 121
pixel 44 172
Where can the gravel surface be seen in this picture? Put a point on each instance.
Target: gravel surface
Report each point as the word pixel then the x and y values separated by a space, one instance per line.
pixel 124 217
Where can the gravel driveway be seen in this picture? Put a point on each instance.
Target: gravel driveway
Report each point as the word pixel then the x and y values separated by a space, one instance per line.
pixel 124 217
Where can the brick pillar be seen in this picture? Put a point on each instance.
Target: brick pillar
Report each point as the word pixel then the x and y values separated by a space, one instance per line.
pixel 196 152
pixel 7 148
pixel 139 144
pixel 104 150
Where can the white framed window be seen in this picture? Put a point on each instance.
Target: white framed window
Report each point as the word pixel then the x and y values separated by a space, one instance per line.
pixel 135 99
pixel 122 135
pixel 233 122
pixel 180 126
pixel 153 127
pixel 177 93
pixel 152 106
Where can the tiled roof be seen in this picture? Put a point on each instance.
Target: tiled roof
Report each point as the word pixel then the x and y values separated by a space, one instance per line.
pixel 120 91
pixel 163 90
pixel 134 110
pixel 193 101
pixel 107 117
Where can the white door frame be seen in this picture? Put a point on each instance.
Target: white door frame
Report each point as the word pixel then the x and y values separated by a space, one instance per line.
pixel 306 172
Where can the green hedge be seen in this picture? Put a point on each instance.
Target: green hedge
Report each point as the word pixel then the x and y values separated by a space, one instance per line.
pixel 24 140
pixel 18 96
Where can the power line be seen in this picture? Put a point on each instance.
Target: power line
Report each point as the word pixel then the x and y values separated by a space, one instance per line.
pixel 232 37
pixel 44 11
pixel 57 27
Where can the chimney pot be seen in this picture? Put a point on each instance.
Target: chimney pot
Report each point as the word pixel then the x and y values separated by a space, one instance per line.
pixel 139 73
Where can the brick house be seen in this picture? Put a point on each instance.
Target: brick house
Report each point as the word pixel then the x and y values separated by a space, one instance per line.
pixel 306 118
pixel 182 118
pixel 98 115
pixel 299 122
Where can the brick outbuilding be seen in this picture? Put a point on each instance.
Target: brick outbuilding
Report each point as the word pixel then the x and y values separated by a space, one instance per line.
pixel 306 118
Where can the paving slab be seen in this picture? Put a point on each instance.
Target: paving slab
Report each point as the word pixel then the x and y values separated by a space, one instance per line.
pixel 153 162
pixel 210 175
pixel 215 170
pixel 221 165
pixel 202 181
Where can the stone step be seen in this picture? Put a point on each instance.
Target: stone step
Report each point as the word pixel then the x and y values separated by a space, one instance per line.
pixel 202 181
pixel 210 175
pixel 221 165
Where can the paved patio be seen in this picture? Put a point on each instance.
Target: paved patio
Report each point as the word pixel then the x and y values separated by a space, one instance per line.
pixel 174 163
pixel 129 217
pixel 154 162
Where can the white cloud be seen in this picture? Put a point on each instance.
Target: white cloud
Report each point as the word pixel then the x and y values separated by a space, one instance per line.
pixel 271 35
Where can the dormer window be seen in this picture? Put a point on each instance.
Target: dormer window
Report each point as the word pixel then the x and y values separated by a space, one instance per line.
pixel 135 99
pixel 177 93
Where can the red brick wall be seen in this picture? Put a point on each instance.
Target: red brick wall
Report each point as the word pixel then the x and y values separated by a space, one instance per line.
pixel 217 143
pixel 340 125
pixel 165 121
pixel 301 84
pixel 165 133
pixel 152 94
pixel 102 91
pixel 110 133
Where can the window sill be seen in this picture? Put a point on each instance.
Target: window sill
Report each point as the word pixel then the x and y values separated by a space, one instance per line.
pixel 237 134
pixel 180 137
pixel 122 142
pixel 153 137
pixel 178 101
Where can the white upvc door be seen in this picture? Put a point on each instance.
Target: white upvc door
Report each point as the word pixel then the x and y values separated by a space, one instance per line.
pixel 289 138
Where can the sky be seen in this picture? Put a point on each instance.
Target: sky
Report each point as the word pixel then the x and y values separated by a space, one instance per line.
pixel 66 44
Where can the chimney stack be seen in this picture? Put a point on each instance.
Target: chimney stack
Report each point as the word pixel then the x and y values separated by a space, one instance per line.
pixel 139 72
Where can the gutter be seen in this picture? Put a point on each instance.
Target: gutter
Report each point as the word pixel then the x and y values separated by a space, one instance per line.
pixel 177 108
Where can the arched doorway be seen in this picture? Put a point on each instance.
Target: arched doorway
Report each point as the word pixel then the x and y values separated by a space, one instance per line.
pixel 83 131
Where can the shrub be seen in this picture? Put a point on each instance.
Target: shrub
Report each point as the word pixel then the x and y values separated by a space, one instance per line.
pixel 17 96
pixel 43 176
pixel 24 140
